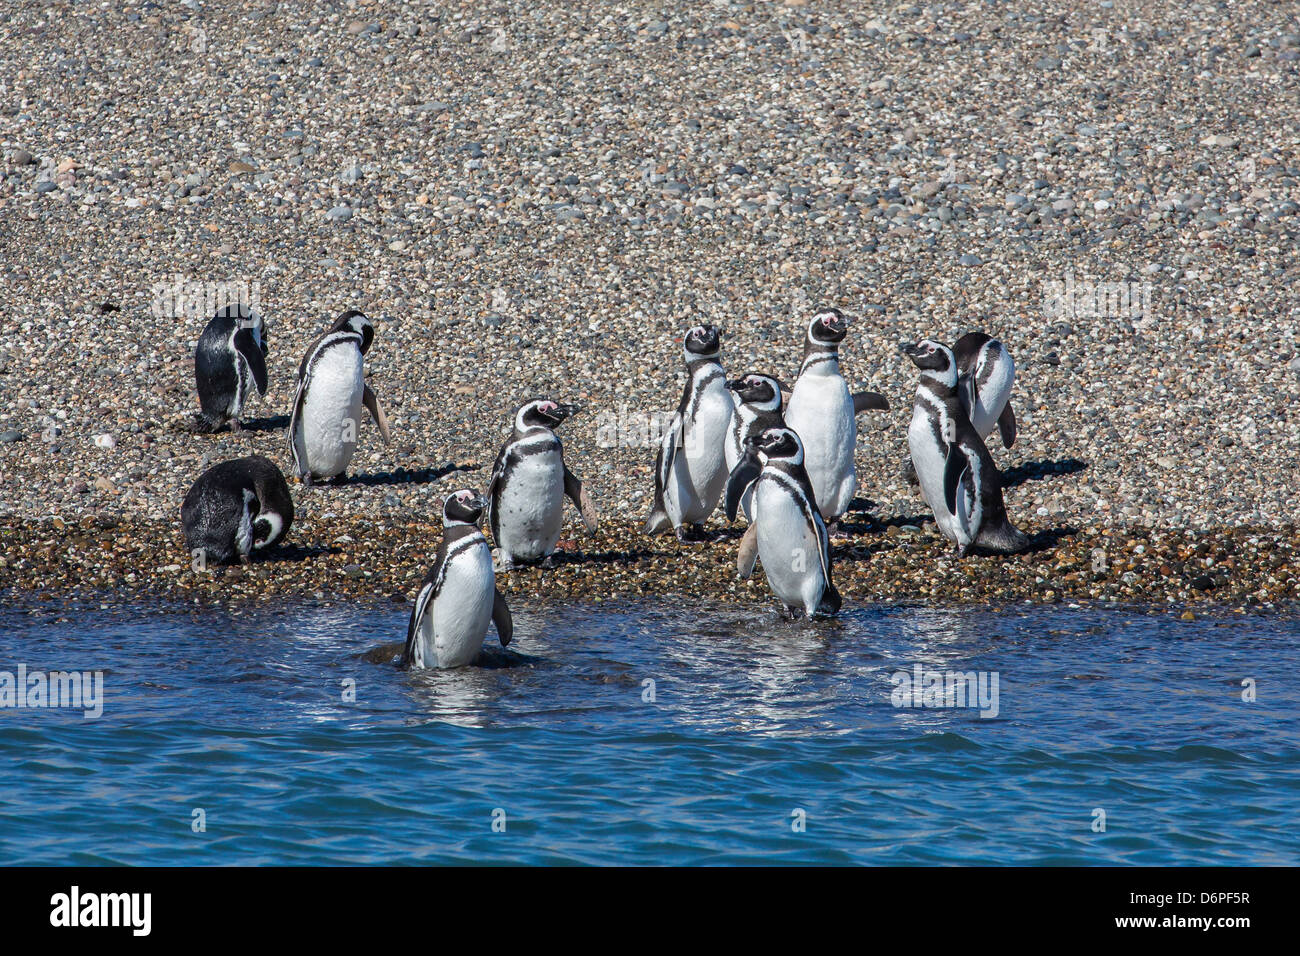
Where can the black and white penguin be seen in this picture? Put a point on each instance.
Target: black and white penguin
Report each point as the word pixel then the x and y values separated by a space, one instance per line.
pixel 229 362
pixel 758 408
pixel 459 596
pixel 235 508
pixel 958 478
pixel 529 485
pixel 985 374
pixel 691 467
pixel 823 412
pixel 327 407
pixel 787 533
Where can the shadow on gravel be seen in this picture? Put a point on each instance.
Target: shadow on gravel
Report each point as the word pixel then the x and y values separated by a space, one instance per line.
pixel 299 552
pixel 1048 539
pixel 274 423
pixel 601 557
pixel 405 476
pixel 1038 470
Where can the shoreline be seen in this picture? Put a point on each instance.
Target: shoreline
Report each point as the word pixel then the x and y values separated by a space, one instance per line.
pixel 384 560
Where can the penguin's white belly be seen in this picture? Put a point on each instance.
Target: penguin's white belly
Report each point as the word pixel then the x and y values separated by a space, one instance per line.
pixel 463 609
pixel 821 413
pixel 992 397
pixel 735 433
pixel 788 547
pixel 700 466
pixel 929 460
pixel 530 507
pixel 331 413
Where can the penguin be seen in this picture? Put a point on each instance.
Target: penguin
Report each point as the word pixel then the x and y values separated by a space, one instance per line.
pixel 691 466
pixel 985 374
pixel 459 595
pixel 327 407
pixel 529 483
pixel 958 478
pixel 229 362
pixel 758 407
pixel 788 533
pixel 235 508
pixel 824 414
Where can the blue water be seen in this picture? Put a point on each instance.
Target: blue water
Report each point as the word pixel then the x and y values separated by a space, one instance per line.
pixel 755 724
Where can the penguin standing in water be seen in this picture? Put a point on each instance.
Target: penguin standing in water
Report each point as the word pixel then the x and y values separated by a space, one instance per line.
pixel 327 407
pixel 459 596
pixel 229 362
pixel 985 374
pixel 823 412
pixel 787 532
pixel 758 408
pixel 529 484
pixel 958 478
pixel 691 467
pixel 236 508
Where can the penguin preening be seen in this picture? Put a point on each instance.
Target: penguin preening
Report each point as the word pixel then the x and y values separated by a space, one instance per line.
pixel 824 414
pixel 758 407
pixel 459 595
pixel 229 362
pixel 787 533
pixel 985 375
pixel 529 484
pixel 327 406
pixel 958 478
pixel 691 466
pixel 235 508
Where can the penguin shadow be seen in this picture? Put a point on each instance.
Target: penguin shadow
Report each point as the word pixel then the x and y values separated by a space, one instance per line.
pixel 489 658
pixel 1038 470
pixel 408 476
pixel 1048 539
pixel 269 424
pixel 298 552
pixel 561 558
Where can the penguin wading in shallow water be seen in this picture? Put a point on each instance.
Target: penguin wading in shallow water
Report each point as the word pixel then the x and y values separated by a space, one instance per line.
pixel 787 533
pixel 985 375
pixel 529 484
pixel 823 412
pixel 758 408
pixel 229 362
pixel 691 467
pixel 327 407
pixel 236 508
pixel 958 478
pixel 459 596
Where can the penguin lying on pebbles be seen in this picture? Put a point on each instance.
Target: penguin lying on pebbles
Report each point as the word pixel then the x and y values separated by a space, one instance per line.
pixel 787 532
pixel 529 483
pixel 758 408
pixel 985 375
pixel 229 362
pixel 958 478
pixel 824 414
pixel 459 596
pixel 236 508
pixel 327 407
pixel 691 467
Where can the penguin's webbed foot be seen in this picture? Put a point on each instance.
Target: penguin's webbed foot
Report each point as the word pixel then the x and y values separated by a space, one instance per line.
pixel 908 471
pixel 234 426
pixel 340 479
pixel 548 562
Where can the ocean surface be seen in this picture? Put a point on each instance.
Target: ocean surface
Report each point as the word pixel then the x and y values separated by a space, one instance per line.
pixel 659 733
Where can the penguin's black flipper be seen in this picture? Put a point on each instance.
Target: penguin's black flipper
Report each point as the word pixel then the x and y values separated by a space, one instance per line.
pixel 742 476
pixel 953 470
pixel 247 346
pixel 578 495
pixel 869 401
pixel 1007 425
pixel 371 401
pixel 501 618
pixel 422 601
pixel 831 601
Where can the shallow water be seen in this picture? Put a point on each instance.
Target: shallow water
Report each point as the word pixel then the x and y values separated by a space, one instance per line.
pixel 753 720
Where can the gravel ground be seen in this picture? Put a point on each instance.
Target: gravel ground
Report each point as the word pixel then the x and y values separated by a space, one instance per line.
pixel 538 199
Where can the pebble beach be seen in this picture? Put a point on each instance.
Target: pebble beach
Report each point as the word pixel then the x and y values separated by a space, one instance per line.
pixel 536 201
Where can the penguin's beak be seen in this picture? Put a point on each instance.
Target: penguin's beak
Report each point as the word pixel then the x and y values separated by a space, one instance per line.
pixel 560 412
pixel 908 348
pixel 478 502
pixel 736 384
